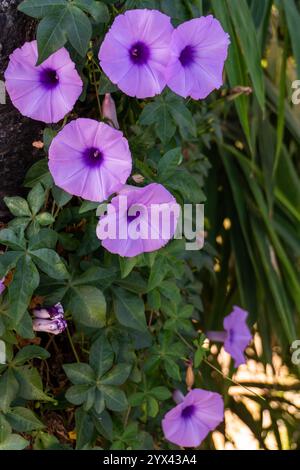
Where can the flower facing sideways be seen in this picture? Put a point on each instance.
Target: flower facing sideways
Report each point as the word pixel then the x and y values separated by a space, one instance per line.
pixel 236 336
pixel 136 50
pixel 198 52
pixel 46 92
pixel 195 415
pixel 49 320
pixel 90 159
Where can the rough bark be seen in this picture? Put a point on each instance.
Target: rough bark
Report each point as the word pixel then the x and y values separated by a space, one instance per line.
pixel 16 132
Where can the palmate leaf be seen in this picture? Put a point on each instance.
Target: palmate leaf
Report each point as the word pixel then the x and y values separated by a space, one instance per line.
pixel 41 8
pixel 25 281
pixel 66 23
pixel 293 19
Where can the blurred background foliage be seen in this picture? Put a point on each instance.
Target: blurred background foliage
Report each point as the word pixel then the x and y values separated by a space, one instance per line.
pixel 237 151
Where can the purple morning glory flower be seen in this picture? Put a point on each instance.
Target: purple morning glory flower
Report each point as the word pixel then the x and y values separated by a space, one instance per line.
pixel 236 336
pixel 196 414
pixel 136 50
pixel 198 52
pixel 139 220
pixel 50 319
pixel 2 285
pixel 46 92
pixel 90 159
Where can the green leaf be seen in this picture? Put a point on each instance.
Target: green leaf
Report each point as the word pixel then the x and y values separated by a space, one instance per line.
pixel 36 198
pixel 60 196
pixel 25 281
pixel 187 185
pixel 181 115
pixel 168 163
pixel 115 399
pixel 45 238
pixel 293 21
pixel 23 420
pixel 48 136
pixel 8 261
pixel 106 86
pixel 97 10
pixel 77 394
pixel 152 406
pixel 84 428
pixel 5 429
pixel 79 373
pixel 88 306
pixel 45 219
pixel 31 387
pixel 158 272
pixel 78 29
pixel 30 352
pixel 8 389
pixel 118 375
pixel 234 66
pixel 127 265
pixel 129 310
pixel 87 206
pixel 40 8
pixel 158 113
pixel 50 263
pixel 101 356
pixel 38 173
pixel 51 34
pixel 18 206
pixel 245 29
pixel 14 442
pixel 161 393
pixel 99 277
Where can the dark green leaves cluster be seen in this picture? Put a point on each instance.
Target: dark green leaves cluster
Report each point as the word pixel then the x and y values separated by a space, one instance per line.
pixel 96 385
pixel 62 21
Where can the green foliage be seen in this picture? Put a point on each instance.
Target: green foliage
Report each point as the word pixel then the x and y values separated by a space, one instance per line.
pixel 134 325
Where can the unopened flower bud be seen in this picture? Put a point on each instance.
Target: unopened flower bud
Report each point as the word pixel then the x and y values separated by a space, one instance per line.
pixel 109 110
pixel 190 377
pixel 138 179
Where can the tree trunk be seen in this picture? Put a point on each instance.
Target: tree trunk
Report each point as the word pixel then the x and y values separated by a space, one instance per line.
pixel 16 132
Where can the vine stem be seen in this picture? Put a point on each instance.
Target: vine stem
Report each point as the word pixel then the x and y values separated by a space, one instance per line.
pixel 233 381
pixel 72 346
pixel 220 372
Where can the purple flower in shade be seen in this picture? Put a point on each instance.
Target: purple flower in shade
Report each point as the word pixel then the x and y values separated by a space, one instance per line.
pixel 198 52
pixel 136 50
pixel 139 220
pixel 109 110
pixel 50 320
pixel 196 414
pixel 236 336
pixel 46 92
pixel 90 159
pixel 2 285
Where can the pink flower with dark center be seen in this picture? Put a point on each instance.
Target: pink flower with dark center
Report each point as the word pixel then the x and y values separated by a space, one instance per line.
pixel 46 92
pixel 196 414
pixel 236 336
pixel 136 51
pixel 139 220
pixel 90 159
pixel 50 319
pixel 198 52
